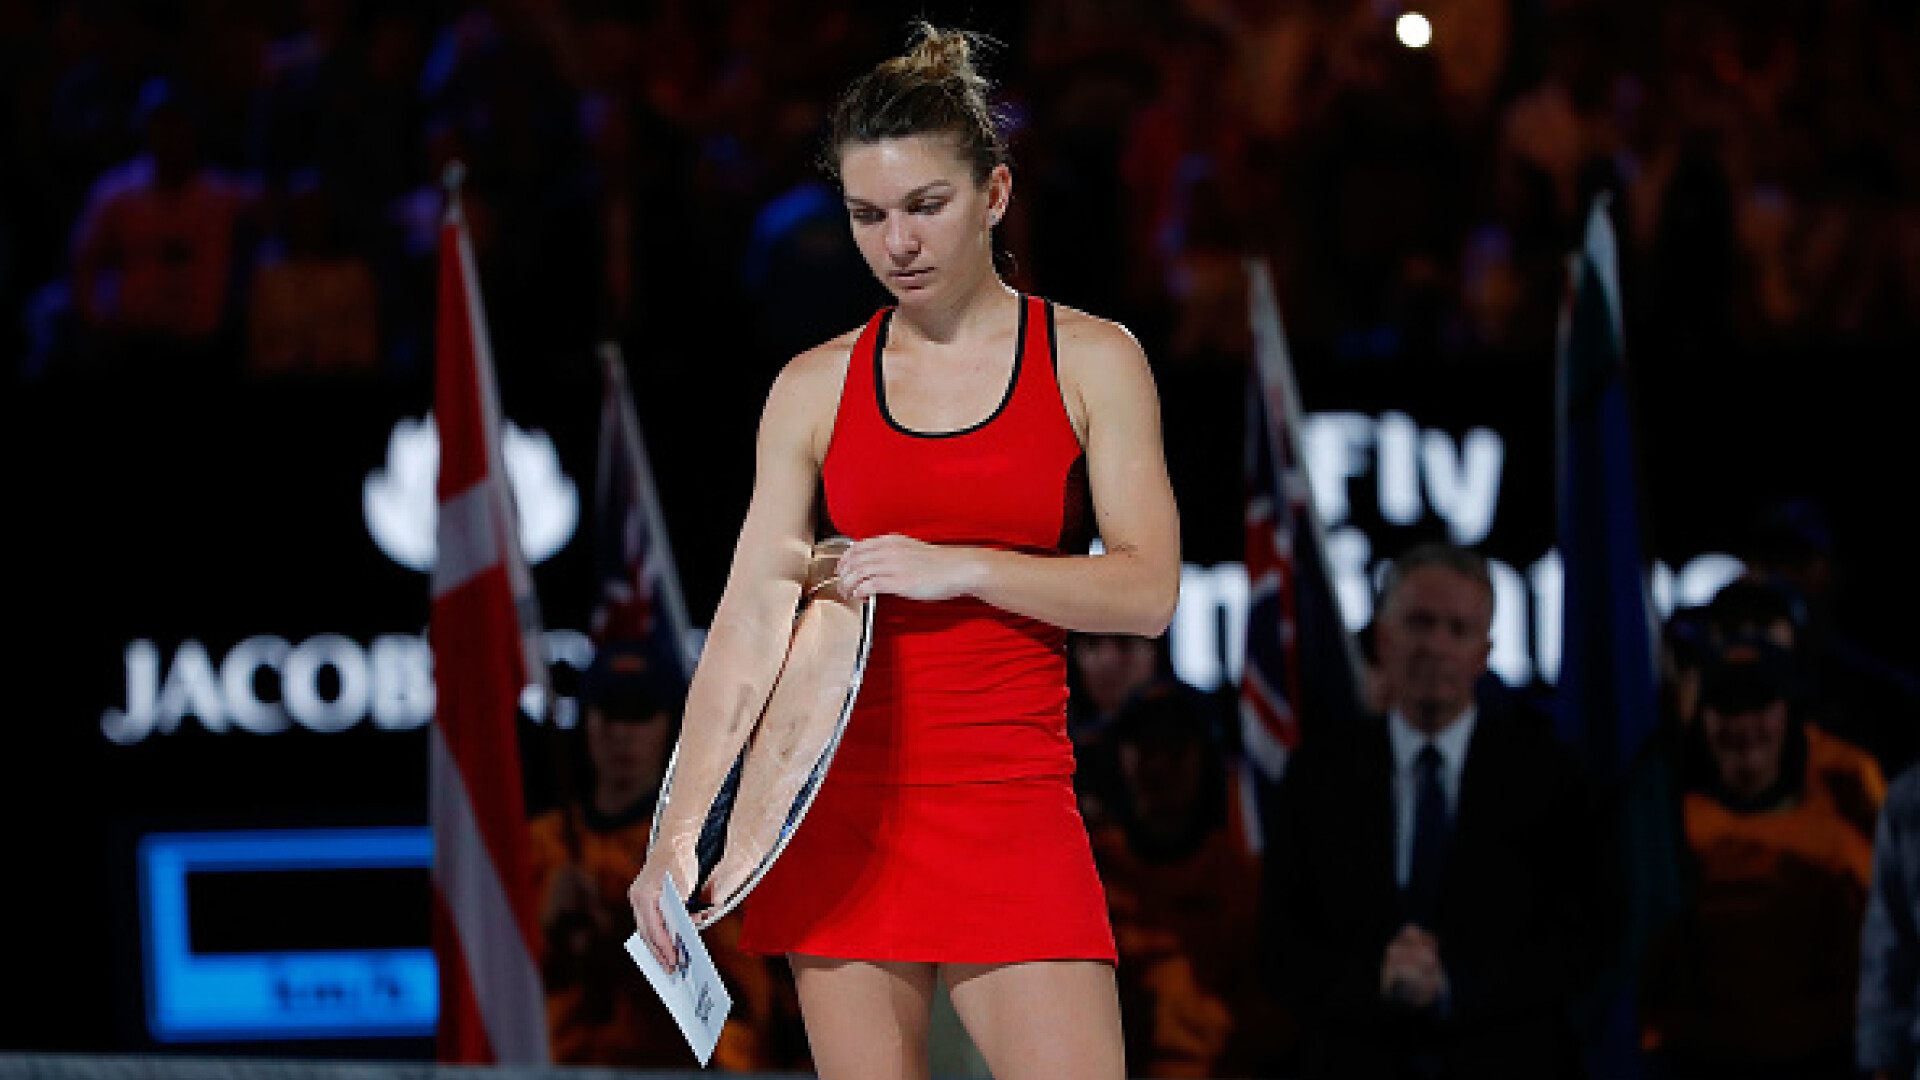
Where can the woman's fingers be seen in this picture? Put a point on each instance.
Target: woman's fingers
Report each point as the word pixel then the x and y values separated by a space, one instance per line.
pixel 660 940
pixel 644 894
pixel 899 566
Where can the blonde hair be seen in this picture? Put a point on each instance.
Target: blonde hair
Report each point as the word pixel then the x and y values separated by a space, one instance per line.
pixel 934 88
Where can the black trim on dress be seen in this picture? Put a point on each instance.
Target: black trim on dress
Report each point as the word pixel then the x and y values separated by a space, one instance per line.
pixel 880 380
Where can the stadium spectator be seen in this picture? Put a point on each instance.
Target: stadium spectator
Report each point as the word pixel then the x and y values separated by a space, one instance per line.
pixel 1432 881
pixel 156 250
pixel 1852 691
pixel 1756 974
pixel 1183 893
pixel 1104 673
pixel 1887 1024
pixel 600 1010
pixel 314 304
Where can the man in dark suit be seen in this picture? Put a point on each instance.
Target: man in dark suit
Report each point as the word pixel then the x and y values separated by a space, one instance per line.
pixel 1432 874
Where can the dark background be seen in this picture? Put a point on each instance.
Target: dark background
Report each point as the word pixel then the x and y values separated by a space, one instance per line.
pixel 215 501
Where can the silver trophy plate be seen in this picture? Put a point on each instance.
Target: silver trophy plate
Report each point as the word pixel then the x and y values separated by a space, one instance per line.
pixel 779 771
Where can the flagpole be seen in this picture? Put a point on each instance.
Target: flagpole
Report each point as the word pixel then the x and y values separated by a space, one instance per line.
pixel 453 177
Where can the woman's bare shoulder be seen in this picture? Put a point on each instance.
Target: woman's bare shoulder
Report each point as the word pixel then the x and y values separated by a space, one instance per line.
pixel 1084 337
pixel 1103 369
pixel 1091 348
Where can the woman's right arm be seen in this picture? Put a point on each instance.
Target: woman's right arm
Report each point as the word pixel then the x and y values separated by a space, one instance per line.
pixel 747 641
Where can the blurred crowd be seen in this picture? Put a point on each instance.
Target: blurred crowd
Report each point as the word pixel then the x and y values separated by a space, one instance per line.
pixel 249 189
pixel 1738 899
pixel 237 190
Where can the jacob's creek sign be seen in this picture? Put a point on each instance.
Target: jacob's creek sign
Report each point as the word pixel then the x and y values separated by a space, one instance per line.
pixel 266 684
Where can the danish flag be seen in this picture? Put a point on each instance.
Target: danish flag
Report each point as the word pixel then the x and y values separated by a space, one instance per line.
pixel 485 630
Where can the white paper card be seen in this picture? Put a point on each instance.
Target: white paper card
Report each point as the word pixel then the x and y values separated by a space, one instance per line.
pixel 692 991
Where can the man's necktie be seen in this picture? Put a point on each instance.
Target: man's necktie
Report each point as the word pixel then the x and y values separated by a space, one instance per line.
pixel 1430 829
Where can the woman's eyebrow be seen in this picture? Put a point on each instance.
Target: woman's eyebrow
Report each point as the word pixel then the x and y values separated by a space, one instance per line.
pixel 930 188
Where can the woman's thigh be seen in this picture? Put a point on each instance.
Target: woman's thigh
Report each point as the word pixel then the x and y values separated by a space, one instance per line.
pixel 865 1020
pixel 1041 1020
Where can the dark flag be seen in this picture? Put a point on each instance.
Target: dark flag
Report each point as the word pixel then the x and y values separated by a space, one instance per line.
pixel 639 600
pixel 1301 668
pixel 485 632
pixel 639 589
pixel 1606 700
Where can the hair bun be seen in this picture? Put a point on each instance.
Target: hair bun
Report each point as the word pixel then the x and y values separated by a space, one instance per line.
pixel 934 88
pixel 944 55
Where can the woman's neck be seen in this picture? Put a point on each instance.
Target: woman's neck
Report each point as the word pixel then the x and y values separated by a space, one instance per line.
pixel 974 312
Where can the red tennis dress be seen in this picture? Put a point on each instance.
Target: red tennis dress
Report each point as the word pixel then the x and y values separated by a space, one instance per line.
pixel 946 830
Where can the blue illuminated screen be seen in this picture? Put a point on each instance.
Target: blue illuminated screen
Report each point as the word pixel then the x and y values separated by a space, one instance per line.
pixel 286 934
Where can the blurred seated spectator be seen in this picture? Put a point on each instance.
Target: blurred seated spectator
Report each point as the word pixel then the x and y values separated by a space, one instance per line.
pixel 1183 894
pixel 1857 693
pixel 1184 157
pixel 339 94
pixel 800 272
pixel 1107 670
pixel 1649 872
pixel 604 245
pixel 1749 607
pixel 410 236
pixel 1432 894
pixel 600 1010
pixel 1561 126
pixel 315 307
pixel 1684 644
pixel 1104 672
pixel 1755 976
pixel 155 250
pixel 305 75
pixel 1887 1016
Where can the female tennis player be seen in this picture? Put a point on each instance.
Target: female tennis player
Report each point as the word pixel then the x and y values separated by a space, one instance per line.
pixel 971 440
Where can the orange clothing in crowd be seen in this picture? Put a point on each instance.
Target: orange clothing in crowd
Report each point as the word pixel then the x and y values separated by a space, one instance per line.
pixel 1192 1005
pixel 157 261
pixel 314 315
pixel 605 1014
pixel 1762 966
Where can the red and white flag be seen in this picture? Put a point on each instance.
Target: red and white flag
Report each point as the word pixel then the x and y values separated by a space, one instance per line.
pixel 485 631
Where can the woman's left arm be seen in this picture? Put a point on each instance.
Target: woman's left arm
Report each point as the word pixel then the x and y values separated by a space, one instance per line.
pixel 1132 585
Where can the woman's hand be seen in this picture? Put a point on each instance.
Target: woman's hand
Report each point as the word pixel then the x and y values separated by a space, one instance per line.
pixel 902 566
pixel 645 892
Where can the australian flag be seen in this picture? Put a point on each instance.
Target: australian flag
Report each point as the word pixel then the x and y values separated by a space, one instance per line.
pixel 1605 699
pixel 639 589
pixel 1300 668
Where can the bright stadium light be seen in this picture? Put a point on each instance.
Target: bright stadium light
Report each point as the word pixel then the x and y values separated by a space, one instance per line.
pixel 1413 30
